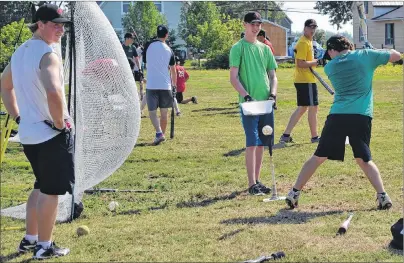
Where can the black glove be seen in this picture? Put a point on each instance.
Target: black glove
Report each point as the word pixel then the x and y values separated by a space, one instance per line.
pixel 17 119
pixel 248 98
pixel 273 97
pixel 66 129
pixel 319 62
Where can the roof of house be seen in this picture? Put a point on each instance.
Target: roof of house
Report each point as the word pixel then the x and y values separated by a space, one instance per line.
pixel 391 15
pixel 390 3
pixel 275 24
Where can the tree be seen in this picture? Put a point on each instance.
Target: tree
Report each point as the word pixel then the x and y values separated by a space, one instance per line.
pixel 8 39
pixel 339 11
pixel 237 9
pixel 11 11
pixel 319 36
pixel 172 38
pixel 144 18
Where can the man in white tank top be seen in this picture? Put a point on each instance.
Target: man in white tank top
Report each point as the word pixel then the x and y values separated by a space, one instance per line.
pixel 33 93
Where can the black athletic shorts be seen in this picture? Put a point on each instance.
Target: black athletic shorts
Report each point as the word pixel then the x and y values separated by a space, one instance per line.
pixel 337 127
pixel 306 94
pixel 137 76
pixel 53 164
pixel 162 99
pixel 179 96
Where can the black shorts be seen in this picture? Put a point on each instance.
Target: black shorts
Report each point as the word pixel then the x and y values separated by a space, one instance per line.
pixel 337 127
pixel 306 94
pixel 179 96
pixel 162 99
pixel 137 76
pixel 53 164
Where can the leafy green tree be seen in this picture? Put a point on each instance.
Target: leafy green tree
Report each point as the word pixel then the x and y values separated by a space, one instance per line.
pixel 339 11
pixel 8 40
pixel 11 11
pixel 237 9
pixel 144 18
pixel 319 36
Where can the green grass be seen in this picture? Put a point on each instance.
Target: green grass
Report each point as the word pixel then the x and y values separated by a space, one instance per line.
pixel 200 210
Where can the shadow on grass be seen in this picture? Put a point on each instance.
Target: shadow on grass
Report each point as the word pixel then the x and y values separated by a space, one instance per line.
pixel 391 248
pixel 10 256
pixel 213 109
pixel 143 144
pixel 209 201
pixel 284 216
pixel 230 234
pixel 139 211
pixel 222 113
pixel 234 152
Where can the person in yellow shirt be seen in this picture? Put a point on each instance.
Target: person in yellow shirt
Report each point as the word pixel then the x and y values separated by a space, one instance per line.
pixel 305 84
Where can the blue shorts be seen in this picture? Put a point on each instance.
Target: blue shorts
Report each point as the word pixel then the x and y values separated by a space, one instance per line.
pixel 253 129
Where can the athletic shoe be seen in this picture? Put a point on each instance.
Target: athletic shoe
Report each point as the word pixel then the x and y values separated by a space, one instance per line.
pixel 159 139
pixel 292 200
pixel 194 100
pixel 179 114
pixel 26 246
pixel 284 139
pixel 52 251
pixel 255 190
pixel 263 188
pixel 314 140
pixel 384 202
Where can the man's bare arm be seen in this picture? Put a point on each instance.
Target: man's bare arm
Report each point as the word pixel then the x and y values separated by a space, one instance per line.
pixel 306 64
pixel 236 82
pixel 273 81
pixel 173 72
pixel 7 92
pixel 50 77
pixel 136 60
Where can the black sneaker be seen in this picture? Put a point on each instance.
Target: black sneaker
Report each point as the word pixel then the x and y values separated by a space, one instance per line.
pixel 263 188
pixel 255 190
pixel 194 100
pixel 52 251
pixel 26 246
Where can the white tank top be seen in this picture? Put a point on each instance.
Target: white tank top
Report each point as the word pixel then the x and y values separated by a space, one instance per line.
pixel 30 92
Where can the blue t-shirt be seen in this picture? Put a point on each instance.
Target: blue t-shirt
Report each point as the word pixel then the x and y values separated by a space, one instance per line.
pixel 351 74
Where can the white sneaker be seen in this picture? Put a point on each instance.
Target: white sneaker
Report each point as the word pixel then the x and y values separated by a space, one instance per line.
pixel 292 200
pixel 384 202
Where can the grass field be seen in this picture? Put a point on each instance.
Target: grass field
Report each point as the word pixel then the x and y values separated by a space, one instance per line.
pixel 200 211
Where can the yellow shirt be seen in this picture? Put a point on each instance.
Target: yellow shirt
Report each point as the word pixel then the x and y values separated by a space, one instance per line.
pixel 304 51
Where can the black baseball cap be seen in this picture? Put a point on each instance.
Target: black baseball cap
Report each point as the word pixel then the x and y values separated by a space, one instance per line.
pixel 310 22
pixel 50 12
pixel 252 17
pixel 338 43
pixel 162 31
pixel 128 35
pixel 262 33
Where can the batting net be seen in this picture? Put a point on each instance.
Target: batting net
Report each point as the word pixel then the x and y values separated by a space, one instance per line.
pixel 104 103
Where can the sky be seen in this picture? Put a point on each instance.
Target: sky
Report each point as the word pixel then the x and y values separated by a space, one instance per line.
pixel 299 18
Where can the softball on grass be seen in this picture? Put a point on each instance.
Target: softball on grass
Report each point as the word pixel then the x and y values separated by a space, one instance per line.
pixel 113 206
pixel 267 130
pixel 82 231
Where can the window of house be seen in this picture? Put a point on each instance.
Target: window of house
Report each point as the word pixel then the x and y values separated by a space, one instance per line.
pixel 361 36
pixel 366 5
pixel 159 5
pixel 125 6
pixel 389 34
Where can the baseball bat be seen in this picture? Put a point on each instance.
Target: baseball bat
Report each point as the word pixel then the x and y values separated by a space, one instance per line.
pixel 344 226
pixel 172 122
pixel 274 256
pixel 325 84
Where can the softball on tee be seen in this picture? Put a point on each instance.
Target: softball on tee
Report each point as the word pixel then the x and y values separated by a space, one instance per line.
pixel 267 130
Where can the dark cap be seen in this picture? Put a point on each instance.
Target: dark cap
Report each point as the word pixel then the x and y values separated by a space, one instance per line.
pixel 262 33
pixel 252 17
pixel 50 12
pixel 162 31
pixel 128 35
pixel 338 43
pixel 310 22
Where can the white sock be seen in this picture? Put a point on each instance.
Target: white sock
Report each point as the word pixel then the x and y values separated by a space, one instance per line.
pixel 31 238
pixel 45 244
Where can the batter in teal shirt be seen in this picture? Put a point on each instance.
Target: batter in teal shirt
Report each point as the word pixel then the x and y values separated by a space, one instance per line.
pixel 351 74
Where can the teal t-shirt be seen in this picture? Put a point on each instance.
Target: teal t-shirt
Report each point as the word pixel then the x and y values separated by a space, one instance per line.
pixel 256 61
pixel 351 74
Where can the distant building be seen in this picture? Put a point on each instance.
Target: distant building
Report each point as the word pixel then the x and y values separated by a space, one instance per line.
pixel 385 25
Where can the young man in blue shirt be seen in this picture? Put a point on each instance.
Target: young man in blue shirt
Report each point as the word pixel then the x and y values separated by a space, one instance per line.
pixel 351 74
